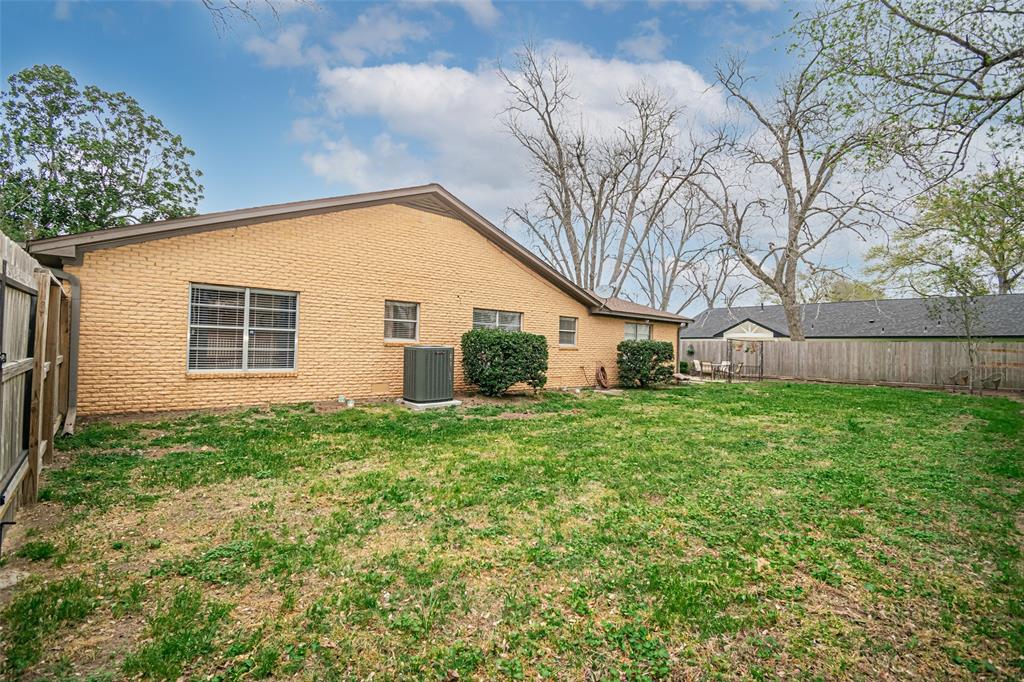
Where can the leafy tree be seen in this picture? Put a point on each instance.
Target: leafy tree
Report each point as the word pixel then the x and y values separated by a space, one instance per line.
pixel 843 289
pixel 944 68
pixel 77 159
pixel 967 241
pixel 828 286
pixel 969 230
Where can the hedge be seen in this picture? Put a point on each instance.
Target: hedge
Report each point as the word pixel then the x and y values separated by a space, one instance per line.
pixel 495 359
pixel 642 363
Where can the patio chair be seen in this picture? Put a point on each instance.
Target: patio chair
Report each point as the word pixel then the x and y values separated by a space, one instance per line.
pixel 703 368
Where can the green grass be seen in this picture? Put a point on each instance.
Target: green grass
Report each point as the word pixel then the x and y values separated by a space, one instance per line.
pixel 721 531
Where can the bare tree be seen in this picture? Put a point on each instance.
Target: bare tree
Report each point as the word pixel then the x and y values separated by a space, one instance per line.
pixel 604 198
pixel 683 261
pixel 223 12
pixel 794 181
pixel 719 278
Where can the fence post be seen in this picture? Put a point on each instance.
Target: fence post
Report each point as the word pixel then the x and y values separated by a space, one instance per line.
pixel 65 352
pixel 30 486
pixel 53 370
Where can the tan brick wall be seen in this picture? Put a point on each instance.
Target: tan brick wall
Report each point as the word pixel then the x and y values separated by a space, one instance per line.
pixel 344 265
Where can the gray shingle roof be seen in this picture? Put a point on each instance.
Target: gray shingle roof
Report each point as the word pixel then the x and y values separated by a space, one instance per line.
pixel 893 318
pixel 621 305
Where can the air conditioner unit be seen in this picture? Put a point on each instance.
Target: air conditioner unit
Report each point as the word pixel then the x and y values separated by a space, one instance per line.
pixel 429 375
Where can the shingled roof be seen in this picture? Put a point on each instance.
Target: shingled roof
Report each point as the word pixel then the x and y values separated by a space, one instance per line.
pixel 624 307
pixel 1001 315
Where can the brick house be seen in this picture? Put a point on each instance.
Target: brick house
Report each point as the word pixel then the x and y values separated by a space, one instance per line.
pixel 315 299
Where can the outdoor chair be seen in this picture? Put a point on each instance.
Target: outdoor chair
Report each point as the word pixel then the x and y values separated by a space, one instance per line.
pixel 704 368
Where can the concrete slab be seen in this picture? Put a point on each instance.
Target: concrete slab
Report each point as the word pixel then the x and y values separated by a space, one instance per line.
pixel 422 407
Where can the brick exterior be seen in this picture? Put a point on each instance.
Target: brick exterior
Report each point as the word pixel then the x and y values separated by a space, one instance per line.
pixel 345 264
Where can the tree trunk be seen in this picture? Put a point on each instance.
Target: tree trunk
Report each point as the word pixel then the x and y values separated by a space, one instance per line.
pixel 796 325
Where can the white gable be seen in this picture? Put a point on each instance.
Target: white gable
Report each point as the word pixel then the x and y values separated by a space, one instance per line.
pixel 747 330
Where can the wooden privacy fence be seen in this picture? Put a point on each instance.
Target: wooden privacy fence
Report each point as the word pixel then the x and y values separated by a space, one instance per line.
pixel 35 324
pixel 861 361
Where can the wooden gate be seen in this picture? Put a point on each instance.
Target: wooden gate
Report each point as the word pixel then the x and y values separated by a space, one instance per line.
pixel 35 342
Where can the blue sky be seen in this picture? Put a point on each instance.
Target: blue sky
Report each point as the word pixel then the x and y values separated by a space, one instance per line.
pixel 343 97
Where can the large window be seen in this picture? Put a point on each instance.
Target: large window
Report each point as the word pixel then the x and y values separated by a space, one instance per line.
pixel 241 329
pixel 497 319
pixel 638 332
pixel 401 321
pixel 567 331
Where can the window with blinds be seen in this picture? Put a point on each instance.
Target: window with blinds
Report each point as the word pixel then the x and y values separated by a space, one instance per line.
pixel 401 321
pixel 497 319
pixel 638 332
pixel 567 331
pixel 241 329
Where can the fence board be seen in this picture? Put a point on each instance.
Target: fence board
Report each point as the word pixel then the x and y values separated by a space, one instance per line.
pixel 910 363
pixel 34 376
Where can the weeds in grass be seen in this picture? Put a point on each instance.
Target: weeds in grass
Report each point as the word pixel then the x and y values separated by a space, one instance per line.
pixel 37 550
pixel 798 530
pixel 37 613
pixel 182 631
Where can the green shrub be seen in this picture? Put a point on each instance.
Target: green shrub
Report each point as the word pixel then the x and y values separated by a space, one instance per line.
pixel 684 367
pixel 495 359
pixel 642 363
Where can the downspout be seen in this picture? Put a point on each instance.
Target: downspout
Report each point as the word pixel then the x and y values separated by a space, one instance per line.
pixel 76 319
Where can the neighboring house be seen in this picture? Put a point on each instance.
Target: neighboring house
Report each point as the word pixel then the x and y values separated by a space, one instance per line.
pixel 316 299
pixel 999 317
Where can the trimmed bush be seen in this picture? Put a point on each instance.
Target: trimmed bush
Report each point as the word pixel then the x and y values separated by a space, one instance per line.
pixel 495 359
pixel 684 367
pixel 642 363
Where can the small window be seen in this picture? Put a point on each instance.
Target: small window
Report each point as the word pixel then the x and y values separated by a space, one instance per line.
pixel 401 321
pixel 567 331
pixel 638 332
pixel 497 319
pixel 235 328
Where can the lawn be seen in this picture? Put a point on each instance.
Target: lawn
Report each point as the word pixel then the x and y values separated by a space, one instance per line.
pixel 754 531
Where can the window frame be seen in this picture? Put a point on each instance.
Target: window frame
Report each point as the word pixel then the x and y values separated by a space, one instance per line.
pixel 575 331
pixel 636 326
pixel 416 336
pixel 497 319
pixel 246 327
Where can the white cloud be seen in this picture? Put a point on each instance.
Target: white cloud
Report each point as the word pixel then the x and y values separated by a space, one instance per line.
pixel 749 5
pixel 305 130
pixel 377 32
pixel 604 5
pixel 284 50
pixel 759 5
pixel 62 10
pixel 648 42
pixel 440 56
pixel 481 12
pixel 344 162
pixel 443 123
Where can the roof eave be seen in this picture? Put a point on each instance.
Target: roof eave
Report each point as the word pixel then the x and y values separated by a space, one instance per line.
pixel 674 319
pixel 69 248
